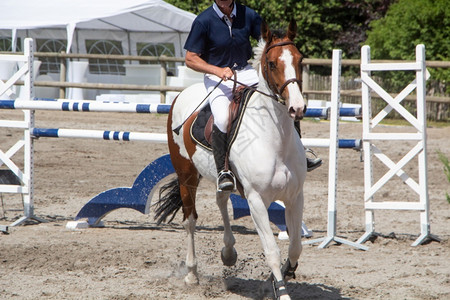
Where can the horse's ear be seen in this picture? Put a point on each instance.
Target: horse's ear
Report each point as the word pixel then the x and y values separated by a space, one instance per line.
pixel 292 30
pixel 265 32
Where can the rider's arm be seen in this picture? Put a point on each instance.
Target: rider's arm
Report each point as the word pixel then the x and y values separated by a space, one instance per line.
pixel 195 62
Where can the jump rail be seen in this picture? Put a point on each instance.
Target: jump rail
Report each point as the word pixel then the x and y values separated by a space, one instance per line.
pixel 125 107
pixel 106 106
pixel 128 136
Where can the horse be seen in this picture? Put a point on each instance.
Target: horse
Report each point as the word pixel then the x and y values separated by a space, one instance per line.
pixel 267 158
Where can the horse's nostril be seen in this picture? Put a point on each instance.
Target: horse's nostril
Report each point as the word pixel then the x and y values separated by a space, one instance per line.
pixel 291 110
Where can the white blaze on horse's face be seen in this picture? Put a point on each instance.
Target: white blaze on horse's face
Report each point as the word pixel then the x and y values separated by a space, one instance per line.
pixel 295 101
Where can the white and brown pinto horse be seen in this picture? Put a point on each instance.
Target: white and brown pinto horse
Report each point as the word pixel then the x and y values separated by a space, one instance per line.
pixel 267 158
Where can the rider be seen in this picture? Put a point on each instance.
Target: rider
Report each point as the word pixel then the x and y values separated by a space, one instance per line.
pixel 218 45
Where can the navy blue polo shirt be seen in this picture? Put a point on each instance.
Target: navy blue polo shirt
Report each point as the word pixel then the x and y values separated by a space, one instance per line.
pixel 210 37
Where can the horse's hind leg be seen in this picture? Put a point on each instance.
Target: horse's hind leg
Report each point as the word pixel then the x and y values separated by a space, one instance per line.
pixel 229 254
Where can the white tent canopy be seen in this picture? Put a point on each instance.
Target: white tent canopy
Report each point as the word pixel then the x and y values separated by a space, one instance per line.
pixel 130 27
pixel 75 20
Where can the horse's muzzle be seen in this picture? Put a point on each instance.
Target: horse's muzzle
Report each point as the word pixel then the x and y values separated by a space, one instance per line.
pixel 297 113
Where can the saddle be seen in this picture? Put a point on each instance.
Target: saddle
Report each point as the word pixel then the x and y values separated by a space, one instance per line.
pixel 201 128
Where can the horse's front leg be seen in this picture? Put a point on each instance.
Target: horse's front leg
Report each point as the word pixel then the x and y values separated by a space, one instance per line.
pixel 260 217
pixel 293 216
pixel 188 189
pixel 228 254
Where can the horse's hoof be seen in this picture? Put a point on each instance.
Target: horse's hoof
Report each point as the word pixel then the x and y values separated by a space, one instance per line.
pixel 288 271
pixel 279 289
pixel 191 279
pixel 228 259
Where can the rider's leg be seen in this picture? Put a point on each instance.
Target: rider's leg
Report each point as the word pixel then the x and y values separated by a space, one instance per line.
pixel 312 163
pixel 219 102
pixel 225 180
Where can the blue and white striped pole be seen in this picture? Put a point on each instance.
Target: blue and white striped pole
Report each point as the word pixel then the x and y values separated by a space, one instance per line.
pixel 100 135
pixel 85 106
pixel 106 106
pixel 160 138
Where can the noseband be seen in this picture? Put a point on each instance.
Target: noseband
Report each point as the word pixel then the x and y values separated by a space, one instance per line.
pixel 269 78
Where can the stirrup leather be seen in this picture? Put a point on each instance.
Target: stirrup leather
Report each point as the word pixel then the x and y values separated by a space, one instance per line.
pixel 229 174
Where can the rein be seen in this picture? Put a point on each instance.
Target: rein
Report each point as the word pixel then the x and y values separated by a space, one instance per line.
pixel 253 88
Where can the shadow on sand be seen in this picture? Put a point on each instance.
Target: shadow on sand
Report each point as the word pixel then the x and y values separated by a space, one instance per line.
pixel 259 290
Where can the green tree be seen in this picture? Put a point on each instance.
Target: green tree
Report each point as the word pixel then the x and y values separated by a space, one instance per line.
pixel 322 24
pixel 193 6
pixel 409 23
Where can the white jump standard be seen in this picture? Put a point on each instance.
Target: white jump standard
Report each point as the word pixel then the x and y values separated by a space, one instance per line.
pixel 25 175
pixel 370 138
pixel 333 163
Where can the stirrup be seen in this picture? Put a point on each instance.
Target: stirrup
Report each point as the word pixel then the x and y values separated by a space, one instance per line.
pixel 312 163
pixel 227 186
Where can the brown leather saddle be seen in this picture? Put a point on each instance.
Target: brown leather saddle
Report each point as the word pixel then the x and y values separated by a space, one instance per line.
pixel 201 128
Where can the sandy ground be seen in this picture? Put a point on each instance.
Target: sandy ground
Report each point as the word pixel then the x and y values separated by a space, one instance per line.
pixel 132 258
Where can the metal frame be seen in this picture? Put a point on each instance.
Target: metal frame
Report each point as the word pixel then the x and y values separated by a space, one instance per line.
pixel 369 138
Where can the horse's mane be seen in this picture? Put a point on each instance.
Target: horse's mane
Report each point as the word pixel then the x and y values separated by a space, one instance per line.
pixel 258 51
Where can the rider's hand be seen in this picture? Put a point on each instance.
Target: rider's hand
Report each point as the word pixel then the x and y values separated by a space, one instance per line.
pixel 225 73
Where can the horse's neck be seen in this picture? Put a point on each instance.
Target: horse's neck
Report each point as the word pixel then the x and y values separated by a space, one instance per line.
pixel 270 118
pixel 262 85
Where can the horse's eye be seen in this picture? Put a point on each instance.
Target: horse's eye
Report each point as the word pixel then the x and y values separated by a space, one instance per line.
pixel 272 65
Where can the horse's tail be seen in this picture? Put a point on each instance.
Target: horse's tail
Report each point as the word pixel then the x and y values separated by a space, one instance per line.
pixel 169 201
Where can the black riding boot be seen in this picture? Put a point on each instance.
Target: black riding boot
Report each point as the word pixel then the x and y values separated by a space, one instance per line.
pixel 225 178
pixel 311 163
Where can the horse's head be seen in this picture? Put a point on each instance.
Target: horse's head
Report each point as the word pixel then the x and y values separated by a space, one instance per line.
pixel 282 70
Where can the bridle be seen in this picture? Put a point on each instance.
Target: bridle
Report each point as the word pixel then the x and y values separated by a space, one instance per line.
pixel 278 91
pixel 276 96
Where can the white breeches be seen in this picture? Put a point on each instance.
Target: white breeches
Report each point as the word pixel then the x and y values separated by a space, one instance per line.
pixel 220 98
